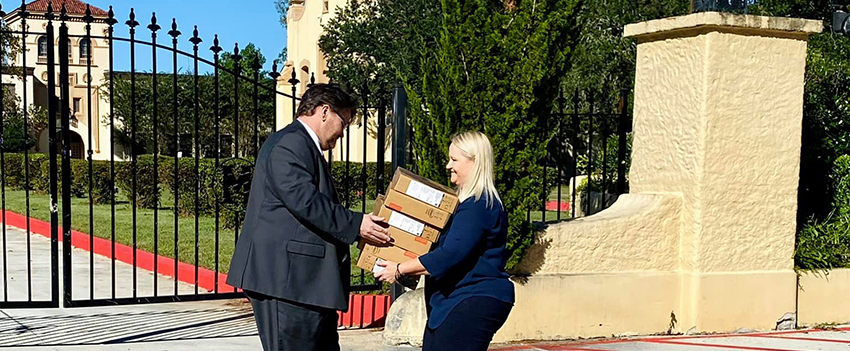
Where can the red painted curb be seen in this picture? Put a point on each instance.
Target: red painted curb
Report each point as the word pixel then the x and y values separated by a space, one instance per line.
pixel 553 206
pixel 365 311
pixel 124 253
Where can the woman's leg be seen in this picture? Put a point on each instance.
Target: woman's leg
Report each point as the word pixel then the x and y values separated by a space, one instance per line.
pixel 470 326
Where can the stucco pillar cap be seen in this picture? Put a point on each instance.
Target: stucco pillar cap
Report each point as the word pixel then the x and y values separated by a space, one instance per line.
pixel 719 21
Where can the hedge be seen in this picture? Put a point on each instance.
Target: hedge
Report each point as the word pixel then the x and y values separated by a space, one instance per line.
pixel 147 193
pixel 825 244
pixel 353 184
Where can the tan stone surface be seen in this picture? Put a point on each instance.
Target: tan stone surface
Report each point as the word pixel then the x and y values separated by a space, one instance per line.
pixel 639 232
pixel 800 26
pixel 824 298
pixel 565 306
pixel 717 119
pixel 729 301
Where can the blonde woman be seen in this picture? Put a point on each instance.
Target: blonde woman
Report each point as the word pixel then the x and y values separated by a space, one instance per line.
pixel 467 291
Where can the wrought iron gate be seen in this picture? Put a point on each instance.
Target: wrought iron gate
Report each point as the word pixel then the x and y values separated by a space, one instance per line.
pixel 180 149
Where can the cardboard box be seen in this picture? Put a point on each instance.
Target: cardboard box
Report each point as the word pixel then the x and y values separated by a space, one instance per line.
pixel 369 255
pixel 403 239
pixel 425 190
pixel 419 210
pixel 406 223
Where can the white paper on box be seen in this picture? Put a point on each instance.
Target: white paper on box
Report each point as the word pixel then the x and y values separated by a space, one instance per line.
pixel 376 268
pixel 406 223
pixel 424 193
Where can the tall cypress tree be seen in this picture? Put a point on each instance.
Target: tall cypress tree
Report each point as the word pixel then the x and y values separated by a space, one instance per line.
pixel 496 70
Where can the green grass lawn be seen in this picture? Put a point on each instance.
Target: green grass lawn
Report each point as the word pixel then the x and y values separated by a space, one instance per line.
pixel 81 221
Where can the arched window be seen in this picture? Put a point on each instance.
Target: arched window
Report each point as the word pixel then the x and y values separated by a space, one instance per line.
pixel 42 47
pixel 85 49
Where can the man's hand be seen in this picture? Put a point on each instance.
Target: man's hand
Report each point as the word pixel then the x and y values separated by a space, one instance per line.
pixel 372 229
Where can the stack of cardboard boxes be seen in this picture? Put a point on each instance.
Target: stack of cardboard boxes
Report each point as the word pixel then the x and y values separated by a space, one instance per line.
pixel 417 210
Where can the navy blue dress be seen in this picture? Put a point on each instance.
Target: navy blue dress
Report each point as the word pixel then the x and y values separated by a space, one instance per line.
pixel 467 272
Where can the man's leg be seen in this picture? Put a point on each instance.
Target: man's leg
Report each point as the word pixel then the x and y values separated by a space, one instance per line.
pixel 329 335
pixel 291 326
pixel 265 314
pixel 307 328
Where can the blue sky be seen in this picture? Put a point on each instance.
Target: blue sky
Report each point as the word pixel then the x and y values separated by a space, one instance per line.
pixel 242 21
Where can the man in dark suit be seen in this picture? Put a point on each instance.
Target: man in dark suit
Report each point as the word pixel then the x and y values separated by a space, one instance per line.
pixel 292 259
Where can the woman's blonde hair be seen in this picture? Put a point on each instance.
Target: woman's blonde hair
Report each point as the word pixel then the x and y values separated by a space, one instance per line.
pixel 476 147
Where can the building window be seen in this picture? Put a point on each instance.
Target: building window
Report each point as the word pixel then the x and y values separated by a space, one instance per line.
pixel 85 51
pixel 77 105
pixel 42 47
pixel 325 6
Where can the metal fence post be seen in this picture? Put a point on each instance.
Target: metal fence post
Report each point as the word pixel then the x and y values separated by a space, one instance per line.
pixel 65 115
pixel 399 145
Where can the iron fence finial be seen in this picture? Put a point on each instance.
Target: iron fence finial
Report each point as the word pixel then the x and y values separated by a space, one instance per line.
pixel 255 64
pixel 111 20
pixel 236 55
pixel 154 26
pixel 293 81
pixel 49 15
pixel 132 21
pixel 215 48
pixel 88 17
pixel 174 33
pixel 274 73
pixel 195 39
pixel 24 12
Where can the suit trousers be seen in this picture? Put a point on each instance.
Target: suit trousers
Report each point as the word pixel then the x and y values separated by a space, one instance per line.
pixel 290 326
pixel 470 325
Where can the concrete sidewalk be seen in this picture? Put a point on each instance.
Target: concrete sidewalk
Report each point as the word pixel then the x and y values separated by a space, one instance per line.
pixel 229 325
pixel 183 326
pixel 835 339
pixel 18 287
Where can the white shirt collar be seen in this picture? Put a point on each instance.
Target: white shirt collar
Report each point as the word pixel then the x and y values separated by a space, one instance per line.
pixel 312 135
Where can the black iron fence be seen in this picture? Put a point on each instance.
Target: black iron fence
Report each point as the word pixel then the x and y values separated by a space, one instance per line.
pixel 162 170
pixel 586 166
pixel 155 165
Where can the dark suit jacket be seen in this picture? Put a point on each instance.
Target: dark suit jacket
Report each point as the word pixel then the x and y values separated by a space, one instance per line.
pixel 296 236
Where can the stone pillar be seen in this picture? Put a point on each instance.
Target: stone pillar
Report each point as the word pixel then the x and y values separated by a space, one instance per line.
pixel 717 120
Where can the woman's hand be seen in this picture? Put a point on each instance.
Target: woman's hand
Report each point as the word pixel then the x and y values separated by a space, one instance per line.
pixel 390 273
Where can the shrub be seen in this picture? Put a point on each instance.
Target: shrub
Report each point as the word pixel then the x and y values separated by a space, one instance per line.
pixel 146 192
pixel 13 171
pixel 826 244
pixel 100 181
pixel 351 185
pixel 841 184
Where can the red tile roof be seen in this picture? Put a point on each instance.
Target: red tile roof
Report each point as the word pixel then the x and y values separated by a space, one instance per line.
pixel 74 7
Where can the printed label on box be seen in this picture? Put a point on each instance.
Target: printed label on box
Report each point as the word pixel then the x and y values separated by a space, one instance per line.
pixel 424 193
pixel 376 268
pixel 406 223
